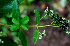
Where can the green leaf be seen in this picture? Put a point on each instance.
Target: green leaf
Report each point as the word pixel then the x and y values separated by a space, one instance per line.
pixel 14 27
pixel 15 10
pixel 5 30
pixel 9 15
pixel 24 20
pixel 22 38
pixel 3 21
pixel 37 16
pixel 15 21
pixel 6 8
pixel 24 27
pixel 35 36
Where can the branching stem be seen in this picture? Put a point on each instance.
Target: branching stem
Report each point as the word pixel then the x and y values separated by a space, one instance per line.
pixel 32 25
pixel 42 26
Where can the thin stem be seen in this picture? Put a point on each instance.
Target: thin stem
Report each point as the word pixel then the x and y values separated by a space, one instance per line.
pixel 32 26
pixel 43 17
pixel 42 26
pixel 48 25
pixel 40 33
pixel 55 26
pixel 51 23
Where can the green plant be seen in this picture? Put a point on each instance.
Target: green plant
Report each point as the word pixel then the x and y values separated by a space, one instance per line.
pixel 19 24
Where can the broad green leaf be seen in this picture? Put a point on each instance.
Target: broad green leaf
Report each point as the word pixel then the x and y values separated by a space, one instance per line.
pixel 15 21
pixel 24 27
pixel 5 30
pixel 3 21
pixel 37 16
pixel 22 38
pixel 9 15
pixel 24 20
pixel 35 36
pixel 15 10
pixel 6 7
pixel 14 27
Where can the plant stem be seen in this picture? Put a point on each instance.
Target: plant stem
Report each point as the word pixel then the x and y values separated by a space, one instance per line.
pixel 32 25
pixel 51 23
pixel 37 24
pixel 42 26
pixel 43 17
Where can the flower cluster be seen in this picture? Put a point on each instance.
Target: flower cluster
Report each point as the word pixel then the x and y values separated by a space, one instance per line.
pixel 59 21
pixel 43 34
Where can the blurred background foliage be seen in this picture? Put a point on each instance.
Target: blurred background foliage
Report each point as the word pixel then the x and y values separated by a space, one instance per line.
pixel 27 9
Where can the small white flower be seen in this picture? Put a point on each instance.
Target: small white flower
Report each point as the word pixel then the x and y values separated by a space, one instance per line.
pixel 40 37
pixel 45 11
pixel 67 32
pixel 43 32
pixel 63 18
